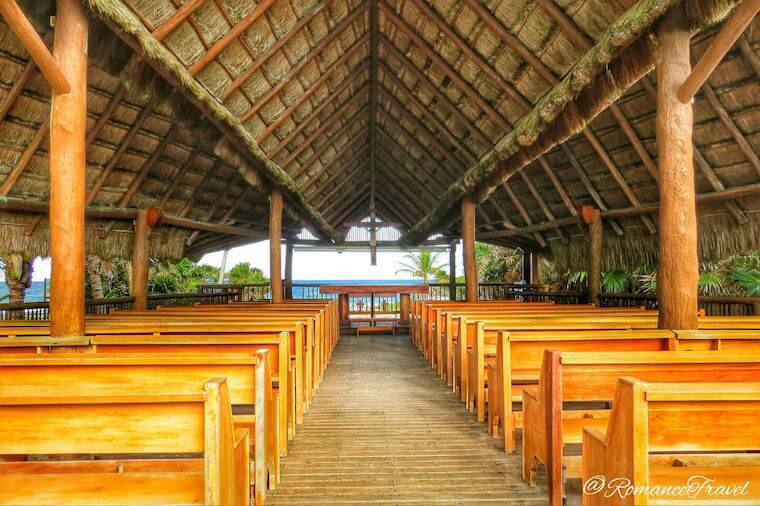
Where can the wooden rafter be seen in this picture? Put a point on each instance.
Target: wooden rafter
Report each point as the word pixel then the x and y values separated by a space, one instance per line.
pixel 26 157
pixel 340 154
pixel 357 204
pixel 374 31
pixel 316 155
pixel 404 159
pixel 558 186
pixel 588 184
pixel 311 55
pixel 422 45
pixel 356 195
pixel 427 113
pixel 542 204
pixel 227 215
pixel 400 182
pixel 315 113
pixel 35 46
pixel 230 36
pixel 176 19
pixel 177 178
pixel 17 88
pixel 441 97
pixel 313 87
pixel 273 49
pixel 523 212
pixel 343 169
pixel 349 176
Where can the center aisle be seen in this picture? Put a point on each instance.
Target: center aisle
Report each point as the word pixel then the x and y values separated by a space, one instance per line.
pixel 384 429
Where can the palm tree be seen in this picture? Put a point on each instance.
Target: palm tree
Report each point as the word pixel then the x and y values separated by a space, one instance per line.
pixel 423 265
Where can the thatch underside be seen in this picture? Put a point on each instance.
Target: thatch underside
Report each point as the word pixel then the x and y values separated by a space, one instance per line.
pixel 532 107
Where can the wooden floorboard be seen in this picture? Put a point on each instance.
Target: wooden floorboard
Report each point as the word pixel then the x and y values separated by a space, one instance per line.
pixel 384 429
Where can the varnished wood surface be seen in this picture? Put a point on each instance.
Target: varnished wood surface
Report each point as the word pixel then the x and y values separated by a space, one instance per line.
pixel 384 429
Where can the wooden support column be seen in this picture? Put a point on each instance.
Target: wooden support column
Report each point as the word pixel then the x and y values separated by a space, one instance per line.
pixel 453 270
pixel 468 249
pixel 289 269
pixel 140 261
pixel 67 173
pixel 275 246
pixel 593 218
pixel 678 269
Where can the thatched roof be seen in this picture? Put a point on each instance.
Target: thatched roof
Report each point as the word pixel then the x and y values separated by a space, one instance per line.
pixel 459 87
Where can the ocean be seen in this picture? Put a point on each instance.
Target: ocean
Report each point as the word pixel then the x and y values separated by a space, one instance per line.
pixel 34 294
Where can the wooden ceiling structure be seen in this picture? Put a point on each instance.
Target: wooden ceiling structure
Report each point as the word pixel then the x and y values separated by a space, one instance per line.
pixel 393 107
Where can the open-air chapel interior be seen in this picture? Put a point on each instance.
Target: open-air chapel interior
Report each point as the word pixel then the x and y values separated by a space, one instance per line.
pixel 589 135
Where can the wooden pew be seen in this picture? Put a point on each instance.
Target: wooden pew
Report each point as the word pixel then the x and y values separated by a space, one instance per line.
pixel 41 343
pixel 129 423
pixel 716 421
pixel 590 377
pixel 725 340
pixel 479 334
pixel 248 378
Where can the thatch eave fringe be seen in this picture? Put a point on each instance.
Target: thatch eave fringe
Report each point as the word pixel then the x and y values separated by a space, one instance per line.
pixel 622 56
pixel 124 23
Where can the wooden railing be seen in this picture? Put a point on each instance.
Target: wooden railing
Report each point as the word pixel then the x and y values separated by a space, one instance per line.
pixel 41 310
pixel 713 305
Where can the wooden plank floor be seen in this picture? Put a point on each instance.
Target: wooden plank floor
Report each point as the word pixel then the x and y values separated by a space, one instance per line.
pixel 384 429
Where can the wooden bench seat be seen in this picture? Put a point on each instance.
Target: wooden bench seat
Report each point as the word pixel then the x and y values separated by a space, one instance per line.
pixel 712 425
pixel 121 422
pixel 248 379
pixel 552 418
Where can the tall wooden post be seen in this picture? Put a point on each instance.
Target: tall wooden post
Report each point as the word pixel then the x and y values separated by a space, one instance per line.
pixel 468 249
pixel 453 270
pixel 593 218
pixel 678 269
pixel 68 124
pixel 275 246
pixel 140 261
pixel 289 269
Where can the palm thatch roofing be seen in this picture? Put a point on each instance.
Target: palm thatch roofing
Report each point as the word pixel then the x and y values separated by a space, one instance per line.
pixel 534 107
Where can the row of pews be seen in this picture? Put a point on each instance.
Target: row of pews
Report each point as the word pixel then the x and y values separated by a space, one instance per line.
pixel 640 415
pixel 179 405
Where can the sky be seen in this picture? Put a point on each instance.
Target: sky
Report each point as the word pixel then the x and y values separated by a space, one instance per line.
pixel 306 265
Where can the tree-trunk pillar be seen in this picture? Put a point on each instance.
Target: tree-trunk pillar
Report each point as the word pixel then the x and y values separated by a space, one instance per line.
pixel 468 249
pixel 289 269
pixel 275 248
pixel 223 266
pixel 68 125
pixel 593 218
pixel 678 269
pixel 18 276
pixel 140 261
pixel 94 268
pixel 453 270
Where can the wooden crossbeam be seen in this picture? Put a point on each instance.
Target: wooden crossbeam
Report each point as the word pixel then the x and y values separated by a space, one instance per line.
pixel 230 37
pixel 721 44
pixel 313 87
pixel 348 81
pixel 422 45
pixel 35 46
pixel 272 50
pixel 308 58
pixel 340 154
pixel 358 116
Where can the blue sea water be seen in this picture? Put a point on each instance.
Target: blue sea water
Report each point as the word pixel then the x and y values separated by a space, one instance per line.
pixel 33 294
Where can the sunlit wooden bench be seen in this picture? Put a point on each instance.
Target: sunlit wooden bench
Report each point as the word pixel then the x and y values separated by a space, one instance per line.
pixel 704 430
pixel 124 423
pixel 555 413
pixel 248 379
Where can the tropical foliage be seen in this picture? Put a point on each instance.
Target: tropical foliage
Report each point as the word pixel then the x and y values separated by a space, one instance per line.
pixel 244 274
pixel 497 264
pixel 423 265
